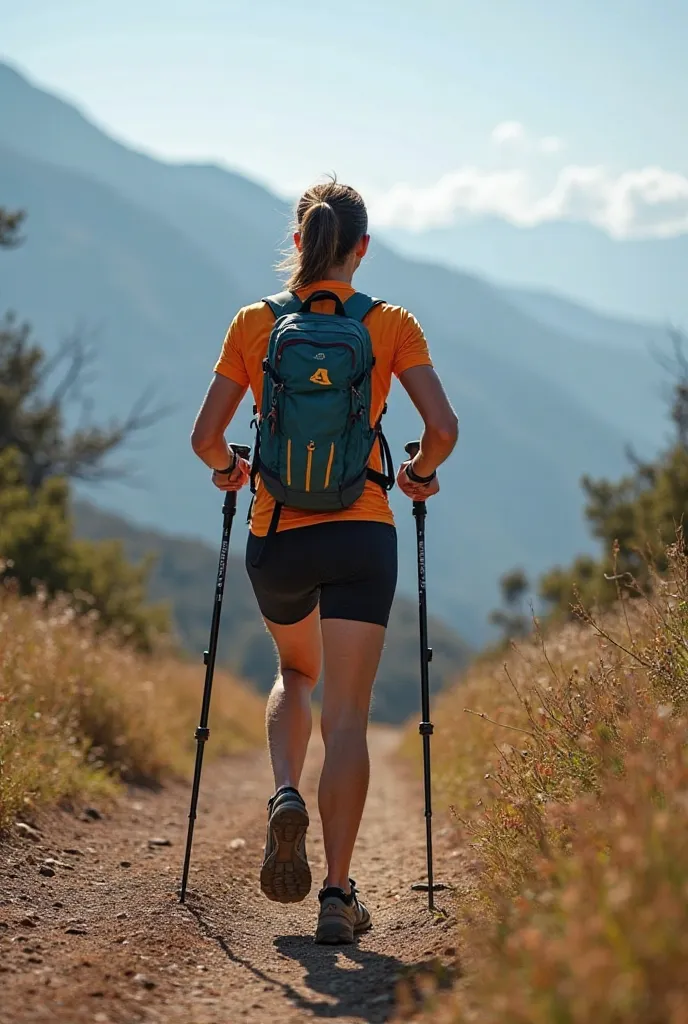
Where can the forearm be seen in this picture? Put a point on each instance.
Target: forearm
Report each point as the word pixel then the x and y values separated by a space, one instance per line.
pixel 215 453
pixel 215 415
pixel 441 425
pixel 436 445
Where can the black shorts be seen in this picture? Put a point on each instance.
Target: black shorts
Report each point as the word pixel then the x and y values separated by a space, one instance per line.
pixel 349 567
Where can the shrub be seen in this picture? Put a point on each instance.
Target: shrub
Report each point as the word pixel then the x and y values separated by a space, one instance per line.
pixel 37 550
pixel 573 790
pixel 79 711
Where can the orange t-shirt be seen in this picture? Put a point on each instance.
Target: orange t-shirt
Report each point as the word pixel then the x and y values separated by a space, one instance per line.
pixel 398 344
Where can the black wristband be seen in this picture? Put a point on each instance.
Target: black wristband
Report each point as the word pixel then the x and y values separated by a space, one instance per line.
pixel 230 469
pixel 414 478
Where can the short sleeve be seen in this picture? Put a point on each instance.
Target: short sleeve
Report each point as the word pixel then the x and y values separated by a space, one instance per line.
pixel 231 362
pixel 412 347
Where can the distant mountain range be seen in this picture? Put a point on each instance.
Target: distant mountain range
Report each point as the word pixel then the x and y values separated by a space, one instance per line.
pixel 158 257
pixel 642 278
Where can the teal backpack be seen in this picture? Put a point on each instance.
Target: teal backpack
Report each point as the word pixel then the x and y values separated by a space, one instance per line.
pixel 314 437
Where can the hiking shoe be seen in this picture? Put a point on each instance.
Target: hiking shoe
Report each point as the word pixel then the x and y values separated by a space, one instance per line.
pixel 341 917
pixel 285 876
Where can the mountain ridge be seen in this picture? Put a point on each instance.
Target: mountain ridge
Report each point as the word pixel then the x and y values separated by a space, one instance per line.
pixel 634 278
pixel 167 286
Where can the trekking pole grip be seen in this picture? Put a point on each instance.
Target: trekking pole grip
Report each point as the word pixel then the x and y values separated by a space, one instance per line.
pixel 412 448
pixel 239 451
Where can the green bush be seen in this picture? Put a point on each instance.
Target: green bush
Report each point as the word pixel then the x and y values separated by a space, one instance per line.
pixel 39 455
pixel 635 519
pixel 37 552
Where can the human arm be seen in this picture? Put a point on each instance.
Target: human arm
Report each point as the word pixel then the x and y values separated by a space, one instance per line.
pixel 217 410
pixel 440 433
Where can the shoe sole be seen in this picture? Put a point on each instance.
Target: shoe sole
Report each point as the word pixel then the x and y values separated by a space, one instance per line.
pixel 333 932
pixel 285 877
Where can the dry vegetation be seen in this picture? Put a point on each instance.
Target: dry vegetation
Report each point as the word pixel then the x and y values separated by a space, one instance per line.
pixel 576 808
pixel 78 713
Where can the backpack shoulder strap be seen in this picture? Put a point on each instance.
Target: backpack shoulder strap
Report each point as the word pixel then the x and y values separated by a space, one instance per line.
pixel 283 303
pixel 359 305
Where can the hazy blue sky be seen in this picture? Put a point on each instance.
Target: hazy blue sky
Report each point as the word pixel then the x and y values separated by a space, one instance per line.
pixel 401 98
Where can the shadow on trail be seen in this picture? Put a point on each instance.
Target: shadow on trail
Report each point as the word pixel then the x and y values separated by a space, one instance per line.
pixel 357 983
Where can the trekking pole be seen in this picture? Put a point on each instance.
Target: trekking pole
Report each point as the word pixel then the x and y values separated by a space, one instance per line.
pixel 426 727
pixel 203 732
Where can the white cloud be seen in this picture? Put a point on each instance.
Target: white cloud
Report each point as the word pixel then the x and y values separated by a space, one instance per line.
pixel 642 203
pixel 551 144
pixel 508 131
pixel 514 134
pixel 469 189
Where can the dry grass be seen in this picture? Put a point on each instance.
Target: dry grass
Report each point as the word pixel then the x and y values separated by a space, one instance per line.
pixel 79 713
pixel 574 798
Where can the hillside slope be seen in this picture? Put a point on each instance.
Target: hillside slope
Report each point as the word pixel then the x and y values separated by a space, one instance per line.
pixel 568 784
pixel 240 226
pixel 159 257
pixel 643 278
pixel 159 308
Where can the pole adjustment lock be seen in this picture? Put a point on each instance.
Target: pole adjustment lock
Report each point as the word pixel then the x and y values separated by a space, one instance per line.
pixel 206 655
pixel 426 728
pixel 202 734
pixel 429 655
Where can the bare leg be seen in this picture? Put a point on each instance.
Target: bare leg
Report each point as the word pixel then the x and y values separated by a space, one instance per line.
pixel 352 654
pixel 288 713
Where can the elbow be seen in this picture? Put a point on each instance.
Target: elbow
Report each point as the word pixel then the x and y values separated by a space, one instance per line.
pixel 446 428
pixel 200 441
pixel 196 441
pixel 450 430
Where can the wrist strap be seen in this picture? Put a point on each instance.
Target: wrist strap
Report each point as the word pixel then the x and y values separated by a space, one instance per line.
pixel 420 479
pixel 230 469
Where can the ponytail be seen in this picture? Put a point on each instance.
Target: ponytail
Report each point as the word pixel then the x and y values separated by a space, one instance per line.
pixel 332 219
pixel 319 245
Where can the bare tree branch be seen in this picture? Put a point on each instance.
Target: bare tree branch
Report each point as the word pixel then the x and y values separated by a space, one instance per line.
pixel 10 222
pixel 32 417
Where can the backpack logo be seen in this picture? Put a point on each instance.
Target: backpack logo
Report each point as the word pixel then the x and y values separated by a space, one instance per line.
pixel 321 376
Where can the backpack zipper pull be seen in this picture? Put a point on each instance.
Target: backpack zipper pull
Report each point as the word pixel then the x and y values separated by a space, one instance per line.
pixel 310 448
pixel 329 466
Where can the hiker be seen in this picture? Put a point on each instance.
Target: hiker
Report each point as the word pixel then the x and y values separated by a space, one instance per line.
pixel 322 557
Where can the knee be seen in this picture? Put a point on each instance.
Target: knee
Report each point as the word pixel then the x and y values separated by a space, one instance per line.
pixel 344 727
pixel 305 676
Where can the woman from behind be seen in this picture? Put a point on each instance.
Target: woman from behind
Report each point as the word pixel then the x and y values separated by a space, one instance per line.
pixel 324 576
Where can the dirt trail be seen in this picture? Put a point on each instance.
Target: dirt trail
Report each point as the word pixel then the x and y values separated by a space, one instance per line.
pixel 104 940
